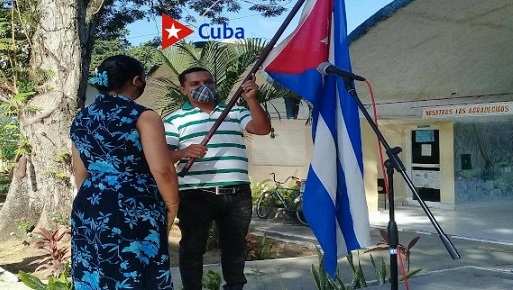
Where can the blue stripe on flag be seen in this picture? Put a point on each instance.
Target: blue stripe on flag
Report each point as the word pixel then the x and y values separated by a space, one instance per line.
pixel 296 82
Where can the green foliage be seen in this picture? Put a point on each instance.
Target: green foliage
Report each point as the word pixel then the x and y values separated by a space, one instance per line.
pixel 62 156
pixel 18 82
pixel 323 281
pixel 105 48
pixel 115 15
pixel 380 270
pixel 9 136
pixel 290 191
pixel 15 31
pixel 32 281
pixel 358 277
pixel 147 53
pixel 59 175
pixel 258 187
pixel 61 282
pixel 259 248
pixel 267 8
pixel 5 182
pixel 62 220
pixel 24 225
pixel 17 103
pixel 212 280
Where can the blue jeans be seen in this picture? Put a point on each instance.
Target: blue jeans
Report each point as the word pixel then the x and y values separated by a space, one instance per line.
pixel 232 213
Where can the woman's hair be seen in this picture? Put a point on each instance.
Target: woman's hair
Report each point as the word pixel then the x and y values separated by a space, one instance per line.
pixel 115 71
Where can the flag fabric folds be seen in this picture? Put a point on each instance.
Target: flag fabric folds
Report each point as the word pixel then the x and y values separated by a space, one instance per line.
pixel 334 201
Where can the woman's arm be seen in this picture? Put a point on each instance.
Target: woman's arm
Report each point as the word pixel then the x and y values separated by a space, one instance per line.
pixel 79 170
pixel 151 130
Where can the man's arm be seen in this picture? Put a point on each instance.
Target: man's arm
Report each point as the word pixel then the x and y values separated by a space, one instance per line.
pixel 192 151
pixel 260 123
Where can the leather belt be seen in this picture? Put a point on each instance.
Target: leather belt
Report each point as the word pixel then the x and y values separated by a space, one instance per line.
pixel 225 190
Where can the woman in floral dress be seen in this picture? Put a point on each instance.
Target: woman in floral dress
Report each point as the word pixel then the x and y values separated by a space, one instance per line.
pixel 127 195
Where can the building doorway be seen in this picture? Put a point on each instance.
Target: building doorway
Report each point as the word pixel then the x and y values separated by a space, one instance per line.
pixel 425 167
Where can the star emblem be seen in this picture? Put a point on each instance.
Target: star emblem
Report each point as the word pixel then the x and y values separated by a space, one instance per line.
pixel 173 31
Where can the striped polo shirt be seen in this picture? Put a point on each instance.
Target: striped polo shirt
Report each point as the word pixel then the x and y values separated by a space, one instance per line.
pixel 226 161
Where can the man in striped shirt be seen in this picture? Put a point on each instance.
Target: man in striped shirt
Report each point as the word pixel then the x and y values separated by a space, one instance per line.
pixel 217 185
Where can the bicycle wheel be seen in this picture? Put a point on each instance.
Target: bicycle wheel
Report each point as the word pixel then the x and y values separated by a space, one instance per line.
pixel 299 214
pixel 265 205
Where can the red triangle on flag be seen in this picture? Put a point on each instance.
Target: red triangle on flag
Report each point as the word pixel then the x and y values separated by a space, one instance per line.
pixel 173 31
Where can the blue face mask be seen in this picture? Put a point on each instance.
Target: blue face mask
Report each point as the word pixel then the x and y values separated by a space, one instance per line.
pixel 205 93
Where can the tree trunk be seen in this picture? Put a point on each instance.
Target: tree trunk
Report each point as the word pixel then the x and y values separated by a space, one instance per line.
pixel 61 47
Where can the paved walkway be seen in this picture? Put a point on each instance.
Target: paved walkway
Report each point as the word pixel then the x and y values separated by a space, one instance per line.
pixel 483 238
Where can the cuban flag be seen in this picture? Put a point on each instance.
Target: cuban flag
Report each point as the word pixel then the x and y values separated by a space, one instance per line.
pixel 334 202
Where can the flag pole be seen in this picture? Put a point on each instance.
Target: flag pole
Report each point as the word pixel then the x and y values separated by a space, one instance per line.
pixel 253 70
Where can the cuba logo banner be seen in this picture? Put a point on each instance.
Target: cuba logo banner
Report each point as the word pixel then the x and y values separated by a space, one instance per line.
pixel 174 31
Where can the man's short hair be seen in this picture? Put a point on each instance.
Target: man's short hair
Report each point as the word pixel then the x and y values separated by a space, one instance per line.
pixel 181 77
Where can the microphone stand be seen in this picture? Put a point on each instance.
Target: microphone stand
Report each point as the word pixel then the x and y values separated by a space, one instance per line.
pixel 394 162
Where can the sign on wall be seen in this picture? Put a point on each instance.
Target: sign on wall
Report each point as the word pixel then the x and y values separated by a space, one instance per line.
pixel 491 109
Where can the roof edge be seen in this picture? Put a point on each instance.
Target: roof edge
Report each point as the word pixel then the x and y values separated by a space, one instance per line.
pixel 377 17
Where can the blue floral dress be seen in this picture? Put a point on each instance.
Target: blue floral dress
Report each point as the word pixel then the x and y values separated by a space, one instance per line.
pixel 119 233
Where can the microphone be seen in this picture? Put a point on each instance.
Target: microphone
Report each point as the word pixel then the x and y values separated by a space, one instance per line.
pixel 326 68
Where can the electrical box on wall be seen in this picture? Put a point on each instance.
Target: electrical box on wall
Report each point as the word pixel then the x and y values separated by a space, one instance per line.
pixel 466 163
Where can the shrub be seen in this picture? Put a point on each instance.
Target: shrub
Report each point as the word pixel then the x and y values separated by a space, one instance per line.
pixel 259 248
pixel 24 225
pixel 258 187
pixel 212 280
pixel 323 281
pixel 56 253
pixel 62 282
pixel 5 182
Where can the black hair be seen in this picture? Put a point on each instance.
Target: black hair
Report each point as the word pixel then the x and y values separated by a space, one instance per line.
pixel 118 70
pixel 181 77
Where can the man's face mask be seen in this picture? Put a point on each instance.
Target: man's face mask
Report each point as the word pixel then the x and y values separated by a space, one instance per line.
pixel 205 93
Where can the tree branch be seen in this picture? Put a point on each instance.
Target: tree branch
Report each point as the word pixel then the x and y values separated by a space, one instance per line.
pixel 49 101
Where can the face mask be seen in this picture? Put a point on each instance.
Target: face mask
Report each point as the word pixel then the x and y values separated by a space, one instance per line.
pixel 141 88
pixel 204 93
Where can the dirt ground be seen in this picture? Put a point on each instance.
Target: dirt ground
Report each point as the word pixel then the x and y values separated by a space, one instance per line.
pixel 18 253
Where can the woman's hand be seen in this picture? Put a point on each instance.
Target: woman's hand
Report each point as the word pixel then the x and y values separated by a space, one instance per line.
pixel 172 210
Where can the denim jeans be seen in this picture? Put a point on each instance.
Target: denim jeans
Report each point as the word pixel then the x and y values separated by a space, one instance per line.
pixel 232 213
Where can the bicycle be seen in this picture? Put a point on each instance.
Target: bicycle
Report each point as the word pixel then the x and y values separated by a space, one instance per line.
pixel 268 199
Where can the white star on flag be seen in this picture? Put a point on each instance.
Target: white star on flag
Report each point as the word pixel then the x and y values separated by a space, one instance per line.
pixel 173 31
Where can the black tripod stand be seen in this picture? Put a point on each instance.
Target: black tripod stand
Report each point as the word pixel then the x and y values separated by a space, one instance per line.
pixel 394 162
